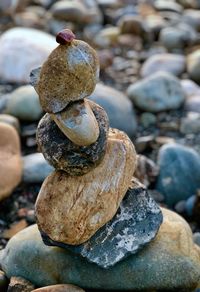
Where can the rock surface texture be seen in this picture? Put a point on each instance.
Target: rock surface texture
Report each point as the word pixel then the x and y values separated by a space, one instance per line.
pixel 135 224
pixel 63 154
pixel 69 74
pixel 94 164
pixel 71 209
pixel 170 262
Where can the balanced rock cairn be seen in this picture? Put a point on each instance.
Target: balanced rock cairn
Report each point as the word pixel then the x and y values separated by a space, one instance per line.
pixel 90 204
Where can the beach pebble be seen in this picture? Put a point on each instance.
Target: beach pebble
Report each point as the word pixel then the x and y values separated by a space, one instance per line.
pixel 190 87
pixel 35 168
pixel 190 124
pixel 192 104
pixel 10 120
pixel 118 107
pixel 77 11
pixel 21 50
pixel 161 91
pixel 193 65
pixel 75 70
pixel 176 38
pixel 179 175
pixel 23 103
pixel 10 160
pixel 172 63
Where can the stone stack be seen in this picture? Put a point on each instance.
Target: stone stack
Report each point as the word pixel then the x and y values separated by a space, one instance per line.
pixel 90 204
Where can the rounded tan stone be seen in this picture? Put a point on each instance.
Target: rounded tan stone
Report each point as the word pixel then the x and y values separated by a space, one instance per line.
pixel 59 288
pixel 78 123
pixel 69 74
pixel 71 209
pixel 10 160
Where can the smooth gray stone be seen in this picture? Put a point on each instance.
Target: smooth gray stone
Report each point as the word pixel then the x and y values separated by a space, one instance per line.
pixel 23 103
pixel 135 224
pixel 159 92
pixel 35 168
pixel 119 108
pixel 179 175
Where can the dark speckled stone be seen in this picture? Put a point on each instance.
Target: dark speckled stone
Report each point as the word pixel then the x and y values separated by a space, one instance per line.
pixel 63 154
pixel 135 224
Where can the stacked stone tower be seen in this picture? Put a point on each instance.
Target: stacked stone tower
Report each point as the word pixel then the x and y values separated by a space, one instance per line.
pixel 91 203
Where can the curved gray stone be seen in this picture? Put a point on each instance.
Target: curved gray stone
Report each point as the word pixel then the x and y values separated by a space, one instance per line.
pixel 135 224
pixel 63 154
pixel 119 108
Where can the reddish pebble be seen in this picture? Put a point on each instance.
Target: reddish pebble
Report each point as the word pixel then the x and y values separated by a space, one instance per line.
pixel 65 36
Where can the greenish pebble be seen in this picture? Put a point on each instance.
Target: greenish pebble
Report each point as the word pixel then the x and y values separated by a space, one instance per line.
pixel 147 119
pixel 23 103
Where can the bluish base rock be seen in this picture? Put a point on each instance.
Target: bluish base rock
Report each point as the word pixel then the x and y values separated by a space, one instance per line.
pixel 169 262
pixel 135 224
pixel 179 176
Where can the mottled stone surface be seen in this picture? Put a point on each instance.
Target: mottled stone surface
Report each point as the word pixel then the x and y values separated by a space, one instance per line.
pixel 62 154
pixel 69 74
pixel 169 262
pixel 136 223
pixel 71 209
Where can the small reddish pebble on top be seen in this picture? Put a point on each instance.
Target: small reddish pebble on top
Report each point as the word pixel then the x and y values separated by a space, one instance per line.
pixel 65 36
